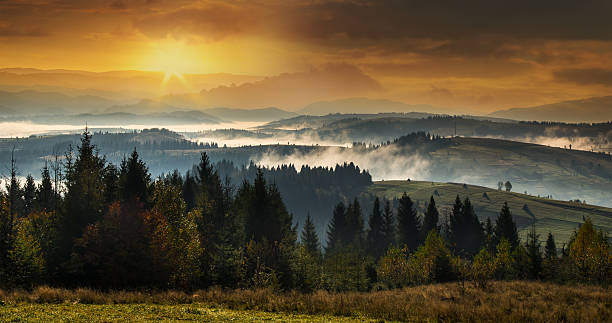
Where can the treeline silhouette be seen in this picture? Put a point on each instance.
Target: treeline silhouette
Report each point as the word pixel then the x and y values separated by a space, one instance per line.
pixel 93 224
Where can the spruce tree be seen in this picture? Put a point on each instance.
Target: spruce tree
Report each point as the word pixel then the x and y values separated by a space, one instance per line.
pixel 489 236
pixel 408 224
pixel 457 226
pixel 354 225
pixel 534 254
pixel 505 228
pixel 84 198
pixel 388 229
pixel 310 239
pixel 29 196
pixel 550 250
pixel 134 179
pixel 44 193
pixel 473 227
pixel 336 228
pixel 111 184
pixel 376 240
pixel 431 218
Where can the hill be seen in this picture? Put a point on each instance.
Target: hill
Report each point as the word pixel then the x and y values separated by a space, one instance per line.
pixel 558 217
pixel 250 115
pixel 35 102
pixel 596 109
pixel 362 106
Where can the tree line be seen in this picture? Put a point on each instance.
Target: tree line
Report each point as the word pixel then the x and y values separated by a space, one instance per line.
pixel 95 224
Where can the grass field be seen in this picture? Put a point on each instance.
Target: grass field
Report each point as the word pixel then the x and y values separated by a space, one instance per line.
pixel 151 312
pixel 450 302
pixel 558 217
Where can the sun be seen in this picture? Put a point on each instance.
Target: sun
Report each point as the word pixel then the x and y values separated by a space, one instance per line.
pixel 173 58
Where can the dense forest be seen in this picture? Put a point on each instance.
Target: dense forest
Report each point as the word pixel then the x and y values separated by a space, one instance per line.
pixel 91 223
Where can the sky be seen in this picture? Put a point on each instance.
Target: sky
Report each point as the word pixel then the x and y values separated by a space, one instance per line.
pixel 474 54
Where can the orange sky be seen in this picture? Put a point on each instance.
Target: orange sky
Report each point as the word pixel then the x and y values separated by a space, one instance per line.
pixel 476 55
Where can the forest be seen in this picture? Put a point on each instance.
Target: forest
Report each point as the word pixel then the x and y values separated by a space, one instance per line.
pixel 94 224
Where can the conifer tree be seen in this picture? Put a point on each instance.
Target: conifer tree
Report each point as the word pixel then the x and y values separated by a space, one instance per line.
pixel 431 218
pixel 111 184
pixel 550 250
pixel 310 239
pixel 409 224
pixel 354 225
pixel 489 236
pixel 13 188
pixel 473 229
pixel 457 226
pixel 189 191
pixel 84 198
pixel 388 228
pixel 134 179
pixel 376 239
pixel 505 228
pixel 336 228
pixel 44 193
pixel 550 264
pixel 29 196
pixel 534 254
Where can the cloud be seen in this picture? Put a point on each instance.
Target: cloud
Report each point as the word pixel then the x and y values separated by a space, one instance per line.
pixel 452 20
pixel 586 76
pixel 16 31
pixel 294 90
pixel 213 21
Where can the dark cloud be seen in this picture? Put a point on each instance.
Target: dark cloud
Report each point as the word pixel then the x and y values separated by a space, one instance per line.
pixel 452 20
pixel 587 76
pixel 12 31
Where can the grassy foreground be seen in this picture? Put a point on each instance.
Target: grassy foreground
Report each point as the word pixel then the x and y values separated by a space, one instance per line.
pixel 501 301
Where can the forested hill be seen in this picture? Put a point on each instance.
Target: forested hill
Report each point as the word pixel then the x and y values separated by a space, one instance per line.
pixel 549 215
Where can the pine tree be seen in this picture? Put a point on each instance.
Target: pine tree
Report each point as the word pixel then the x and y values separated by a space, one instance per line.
pixel 189 191
pixel 457 226
pixel 409 224
pixel 44 194
pixel 84 198
pixel 336 228
pixel 29 196
pixel 473 229
pixel 388 228
pixel 310 239
pixel 550 250
pixel 13 188
pixel 354 225
pixel 505 228
pixel 534 254
pixel 376 239
pixel 134 179
pixel 431 218
pixel 550 264
pixel 111 184
pixel 489 236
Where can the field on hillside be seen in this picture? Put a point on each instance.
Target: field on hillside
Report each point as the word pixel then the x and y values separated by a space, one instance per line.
pixel 563 173
pixel 558 217
pixel 450 302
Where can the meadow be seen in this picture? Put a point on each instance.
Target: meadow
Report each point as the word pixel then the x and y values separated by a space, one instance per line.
pixel 449 302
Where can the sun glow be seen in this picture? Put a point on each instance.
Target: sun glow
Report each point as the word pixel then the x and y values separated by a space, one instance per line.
pixel 174 59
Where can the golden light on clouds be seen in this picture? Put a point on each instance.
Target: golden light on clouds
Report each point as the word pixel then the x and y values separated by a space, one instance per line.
pixel 499 54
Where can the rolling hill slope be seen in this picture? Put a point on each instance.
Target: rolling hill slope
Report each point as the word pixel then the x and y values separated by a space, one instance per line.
pixel 558 217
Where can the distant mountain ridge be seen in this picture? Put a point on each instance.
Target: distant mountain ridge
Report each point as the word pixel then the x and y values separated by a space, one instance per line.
pixel 251 115
pixel 361 106
pixel 595 109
